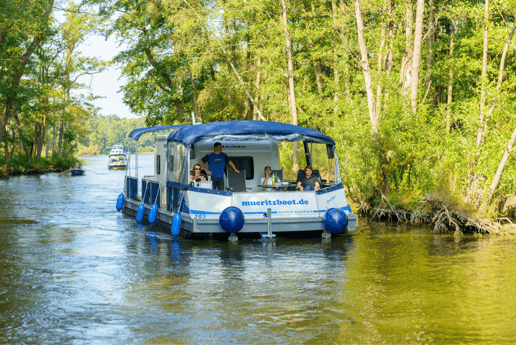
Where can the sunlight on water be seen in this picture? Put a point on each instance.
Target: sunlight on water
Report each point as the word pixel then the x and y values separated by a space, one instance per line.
pixel 73 270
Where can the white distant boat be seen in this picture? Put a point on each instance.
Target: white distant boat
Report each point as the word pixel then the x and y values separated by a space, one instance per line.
pixel 245 205
pixel 118 157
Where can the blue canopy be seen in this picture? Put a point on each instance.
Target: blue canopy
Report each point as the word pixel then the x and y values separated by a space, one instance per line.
pixel 138 132
pixel 246 130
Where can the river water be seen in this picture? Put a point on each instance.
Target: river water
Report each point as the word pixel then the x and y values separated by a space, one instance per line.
pixel 74 271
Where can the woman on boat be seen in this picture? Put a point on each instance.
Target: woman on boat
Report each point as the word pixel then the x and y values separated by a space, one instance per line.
pixel 308 181
pixel 267 180
pixel 195 174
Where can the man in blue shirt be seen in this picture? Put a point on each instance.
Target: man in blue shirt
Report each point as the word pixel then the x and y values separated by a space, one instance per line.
pixel 217 163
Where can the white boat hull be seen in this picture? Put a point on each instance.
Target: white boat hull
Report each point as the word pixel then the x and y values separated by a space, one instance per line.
pixel 290 211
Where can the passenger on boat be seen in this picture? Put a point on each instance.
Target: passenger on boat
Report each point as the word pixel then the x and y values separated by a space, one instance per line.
pixel 267 180
pixel 217 162
pixel 306 180
pixel 77 165
pixel 195 174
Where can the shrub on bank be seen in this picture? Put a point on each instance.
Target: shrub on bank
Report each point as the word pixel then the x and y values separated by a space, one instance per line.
pixel 20 164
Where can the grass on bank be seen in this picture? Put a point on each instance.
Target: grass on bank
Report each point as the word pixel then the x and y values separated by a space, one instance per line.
pixel 21 163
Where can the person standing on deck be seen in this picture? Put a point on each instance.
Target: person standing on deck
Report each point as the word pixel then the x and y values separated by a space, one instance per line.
pixel 217 163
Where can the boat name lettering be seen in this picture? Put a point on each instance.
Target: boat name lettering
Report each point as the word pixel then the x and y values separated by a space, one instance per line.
pixel 275 202
pixel 234 146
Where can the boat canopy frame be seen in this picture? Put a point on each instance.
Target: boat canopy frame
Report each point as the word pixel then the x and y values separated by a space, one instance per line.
pixel 240 130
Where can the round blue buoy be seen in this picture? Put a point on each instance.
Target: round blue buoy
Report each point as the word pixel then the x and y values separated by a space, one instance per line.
pixel 140 213
pixel 175 228
pixel 120 202
pixel 335 220
pixel 153 214
pixel 232 220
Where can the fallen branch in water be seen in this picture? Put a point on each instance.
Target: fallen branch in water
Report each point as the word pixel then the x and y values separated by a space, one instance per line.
pixel 443 217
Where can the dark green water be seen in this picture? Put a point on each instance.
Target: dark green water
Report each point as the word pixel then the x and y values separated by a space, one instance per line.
pixel 74 271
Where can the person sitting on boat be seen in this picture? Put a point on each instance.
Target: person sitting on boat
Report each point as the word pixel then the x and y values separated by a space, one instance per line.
pixel 267 180
pixel 195 174
pixel 308 181
pixel 77 165
pixel 217 162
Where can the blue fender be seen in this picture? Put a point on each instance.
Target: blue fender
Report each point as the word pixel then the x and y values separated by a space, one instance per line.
pixel 335 220
pixel 120 202
pixel 140 213
pixel 232 220
pixel 175 228
pixel 153 214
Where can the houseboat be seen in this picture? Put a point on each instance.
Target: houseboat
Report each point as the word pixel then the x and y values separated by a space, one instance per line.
pixel 118 157
pixel 244 206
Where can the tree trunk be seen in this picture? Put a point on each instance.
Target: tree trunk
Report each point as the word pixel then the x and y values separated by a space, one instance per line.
pixel 60 141
pixel 345 59
pixel 500 74
pixel 481 124
pixel 416 56
pixel 47 144
pixel 380 73
pixel 257 85
pixel 54 138
pixel 22 138
pixel 430 43
pixel 290 74
pixel 6 142
pixel 450 81
pixel 499 171
pixel 389 59
pixel 407 55
pixel 41 139
pixel 365 69
pixel 194 90
pixel 336 77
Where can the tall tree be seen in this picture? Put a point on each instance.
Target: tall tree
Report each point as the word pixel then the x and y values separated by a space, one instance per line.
pixel 365 69
pixel 416 56
pixel 20 38
pixel 290 75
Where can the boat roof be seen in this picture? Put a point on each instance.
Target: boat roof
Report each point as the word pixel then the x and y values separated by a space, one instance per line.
pixel 137 133
pixel 237 131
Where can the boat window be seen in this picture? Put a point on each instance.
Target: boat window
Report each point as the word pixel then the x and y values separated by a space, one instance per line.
pixel 322 158
pixel 158 164
pixel 246 163
pixel 176 161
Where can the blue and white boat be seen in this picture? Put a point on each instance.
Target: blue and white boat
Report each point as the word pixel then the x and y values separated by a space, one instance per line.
pixel 77 171
pixel 118 157
pixel 169 199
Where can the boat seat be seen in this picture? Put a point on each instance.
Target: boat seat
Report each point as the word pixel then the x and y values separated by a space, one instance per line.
pixel 236 182
pixel 301 174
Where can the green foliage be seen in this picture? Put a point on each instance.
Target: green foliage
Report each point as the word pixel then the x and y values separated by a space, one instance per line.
pixel 180 56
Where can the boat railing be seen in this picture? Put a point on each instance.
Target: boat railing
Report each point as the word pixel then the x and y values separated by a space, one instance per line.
pixel 151 192
pixel 131 186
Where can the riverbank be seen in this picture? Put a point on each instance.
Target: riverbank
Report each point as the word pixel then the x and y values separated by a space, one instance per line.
pixel 442 217
pixel 5 173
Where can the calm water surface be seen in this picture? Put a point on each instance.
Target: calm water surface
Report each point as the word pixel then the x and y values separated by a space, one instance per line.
pixel 74 271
